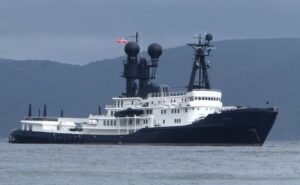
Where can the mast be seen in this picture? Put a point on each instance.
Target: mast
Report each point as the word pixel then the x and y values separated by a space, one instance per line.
pixel 137 37
pixel 200 64
pixel 138 69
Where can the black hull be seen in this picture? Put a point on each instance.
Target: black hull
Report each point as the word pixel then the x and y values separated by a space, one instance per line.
pixel 235 127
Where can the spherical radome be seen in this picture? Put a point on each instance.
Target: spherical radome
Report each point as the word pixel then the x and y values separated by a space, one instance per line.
pixel 154 50
pixel 132 49
pixel 208 37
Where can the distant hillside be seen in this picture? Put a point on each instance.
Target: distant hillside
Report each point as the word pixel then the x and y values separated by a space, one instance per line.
pixel 249 72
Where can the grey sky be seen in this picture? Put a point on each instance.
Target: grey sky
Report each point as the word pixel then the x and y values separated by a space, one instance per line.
pixel 80 31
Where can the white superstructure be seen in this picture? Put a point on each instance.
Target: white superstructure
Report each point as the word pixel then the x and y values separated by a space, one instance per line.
pixel 165 109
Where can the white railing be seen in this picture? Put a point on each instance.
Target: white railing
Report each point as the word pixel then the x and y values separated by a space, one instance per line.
pixel 217 90
pixel 165 94
pixel 178 93
pixel 110 106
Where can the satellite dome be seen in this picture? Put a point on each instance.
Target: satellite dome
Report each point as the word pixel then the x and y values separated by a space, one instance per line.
pixel 208 37
pixel 154 50
pixel 132 49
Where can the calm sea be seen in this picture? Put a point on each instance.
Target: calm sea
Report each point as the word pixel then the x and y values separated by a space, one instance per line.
pixel 274 163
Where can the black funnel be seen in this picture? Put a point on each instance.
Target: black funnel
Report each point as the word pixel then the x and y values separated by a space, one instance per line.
pixel 61 113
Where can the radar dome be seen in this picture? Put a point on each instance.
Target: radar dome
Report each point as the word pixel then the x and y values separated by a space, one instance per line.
pixel 132 49
pixel 208 37
pixel 154 50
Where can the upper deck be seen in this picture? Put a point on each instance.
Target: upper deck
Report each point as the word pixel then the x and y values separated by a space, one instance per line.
pixel 197 97
pixel 180 93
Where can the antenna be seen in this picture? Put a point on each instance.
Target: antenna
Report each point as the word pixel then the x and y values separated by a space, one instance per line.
pixel 202 50
pixel 137 37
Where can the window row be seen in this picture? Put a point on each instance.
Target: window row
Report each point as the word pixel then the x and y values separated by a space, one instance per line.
pixel 205 98
pixel 174 111
pixel 119 103
pixel 109 122
pixel 177 120
pixel 148 111
pixel 177 111
pixel 163 111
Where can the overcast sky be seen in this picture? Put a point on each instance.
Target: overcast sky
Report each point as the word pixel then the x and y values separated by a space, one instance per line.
pixel 81 31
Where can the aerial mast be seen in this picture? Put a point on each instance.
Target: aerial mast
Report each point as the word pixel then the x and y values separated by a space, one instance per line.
pixel 200 65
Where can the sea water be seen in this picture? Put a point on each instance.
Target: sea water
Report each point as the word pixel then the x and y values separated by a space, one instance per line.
pixel 75 164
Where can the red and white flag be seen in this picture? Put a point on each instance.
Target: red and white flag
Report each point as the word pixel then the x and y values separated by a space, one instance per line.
pixel 121 41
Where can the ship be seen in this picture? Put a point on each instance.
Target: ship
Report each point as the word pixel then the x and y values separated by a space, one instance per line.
pixel 147 113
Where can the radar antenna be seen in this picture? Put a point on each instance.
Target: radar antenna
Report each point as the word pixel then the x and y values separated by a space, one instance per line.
pixel 202 51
